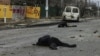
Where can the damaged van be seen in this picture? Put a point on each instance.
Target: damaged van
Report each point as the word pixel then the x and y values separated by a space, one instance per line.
pixel 71 13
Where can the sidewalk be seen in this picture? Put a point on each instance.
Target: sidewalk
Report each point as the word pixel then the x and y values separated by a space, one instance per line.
pixel 32 23
pixel 28 23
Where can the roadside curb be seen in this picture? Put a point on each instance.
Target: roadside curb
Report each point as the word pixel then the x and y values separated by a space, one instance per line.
pixel 43 24
pixel 40 23
pixel 26 25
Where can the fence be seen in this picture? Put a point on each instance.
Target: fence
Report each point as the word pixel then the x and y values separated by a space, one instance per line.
pixel 33 12
pixel 7 9
pixel 53 11
pixel 17 12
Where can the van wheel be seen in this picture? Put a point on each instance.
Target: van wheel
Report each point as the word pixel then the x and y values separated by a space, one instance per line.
pixel 77 19
pixel 64 18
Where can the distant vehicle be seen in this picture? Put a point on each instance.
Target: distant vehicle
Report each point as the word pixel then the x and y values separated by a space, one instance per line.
pixel 71 13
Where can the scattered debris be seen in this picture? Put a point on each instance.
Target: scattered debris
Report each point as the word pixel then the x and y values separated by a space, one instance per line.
pixel 2 44
pixel 73 26
pixel 54 30
pixel 17 48
pixel 12 53
pixel 81 50
pixel 80 30
pixel 99 36
pixel 80 36
pixel 95 31
pixel 3 54
pixel 72 37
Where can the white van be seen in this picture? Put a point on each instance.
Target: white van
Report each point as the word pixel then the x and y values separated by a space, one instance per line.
pixel 71 13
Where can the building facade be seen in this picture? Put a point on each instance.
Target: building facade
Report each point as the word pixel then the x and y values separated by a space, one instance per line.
pixel 6 2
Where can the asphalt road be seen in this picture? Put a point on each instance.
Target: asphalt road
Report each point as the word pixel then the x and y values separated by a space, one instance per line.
pixel 18 42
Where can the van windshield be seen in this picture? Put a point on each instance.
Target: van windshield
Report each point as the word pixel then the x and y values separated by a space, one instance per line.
pixel 68 9
pixel 75 10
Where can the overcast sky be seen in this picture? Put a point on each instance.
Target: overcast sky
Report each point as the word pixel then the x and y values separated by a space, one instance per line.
pixel 96 1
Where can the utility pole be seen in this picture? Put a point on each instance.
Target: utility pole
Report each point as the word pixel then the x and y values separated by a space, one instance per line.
pixel 86 2
pixel 46 8
pixel 98 9
pixel 77 3
pixel 89 8
pixel 89 2
pixel 62 5
pixel 5 10
pixel 5 19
